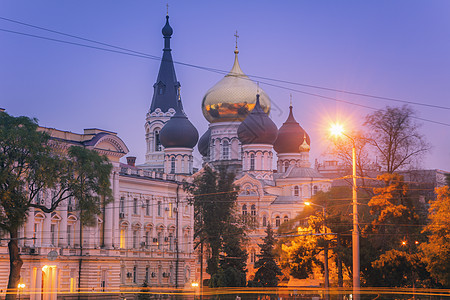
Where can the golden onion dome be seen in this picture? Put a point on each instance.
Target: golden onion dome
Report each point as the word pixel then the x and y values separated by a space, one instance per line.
pixel 233 97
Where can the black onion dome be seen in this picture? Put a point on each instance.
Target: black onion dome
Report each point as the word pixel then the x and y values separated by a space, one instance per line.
pixel 290 136
pixel 178 131
pixel 167 31
pixel 203 143
pixel 257 128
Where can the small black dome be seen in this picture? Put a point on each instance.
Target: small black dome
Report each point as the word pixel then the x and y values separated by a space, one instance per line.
pixel 290 136
pixel 203 143
pixel 257 128
pixel 178 131
pixel 167 31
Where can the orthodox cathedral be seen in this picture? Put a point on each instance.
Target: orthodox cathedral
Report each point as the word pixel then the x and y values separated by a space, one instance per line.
pixel 146 233
pixel 241 137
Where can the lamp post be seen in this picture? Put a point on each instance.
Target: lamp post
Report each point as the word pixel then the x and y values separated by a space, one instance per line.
pixel 325 251
pixel 20 286
pixel 337 130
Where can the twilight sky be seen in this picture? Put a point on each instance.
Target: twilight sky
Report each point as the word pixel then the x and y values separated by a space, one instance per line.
pixel 394 49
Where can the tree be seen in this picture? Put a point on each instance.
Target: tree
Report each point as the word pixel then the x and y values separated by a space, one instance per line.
pixel 30 165
pixel 437 249
pixel 216 224
pixel 268 270
pixel 395 138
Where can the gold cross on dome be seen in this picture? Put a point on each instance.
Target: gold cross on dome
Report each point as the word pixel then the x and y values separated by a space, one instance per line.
pixel 237 36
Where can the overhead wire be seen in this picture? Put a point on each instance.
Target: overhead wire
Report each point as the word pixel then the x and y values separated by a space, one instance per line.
pixel 144 55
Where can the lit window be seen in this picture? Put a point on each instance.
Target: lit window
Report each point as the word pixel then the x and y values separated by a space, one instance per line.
pixel 122 238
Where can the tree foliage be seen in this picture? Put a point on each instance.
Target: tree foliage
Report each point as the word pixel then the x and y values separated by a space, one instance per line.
pixel 217 225
pixel 437 249
pixel 268 269
pixel 31 164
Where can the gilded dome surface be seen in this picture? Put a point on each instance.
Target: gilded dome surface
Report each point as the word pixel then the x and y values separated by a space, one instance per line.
pixel 233 97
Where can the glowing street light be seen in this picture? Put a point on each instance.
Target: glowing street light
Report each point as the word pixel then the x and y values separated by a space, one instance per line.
pixel 20 286
pixel 327 281
pixel 337 130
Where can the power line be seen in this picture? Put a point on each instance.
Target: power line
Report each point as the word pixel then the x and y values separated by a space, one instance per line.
pixel 222 71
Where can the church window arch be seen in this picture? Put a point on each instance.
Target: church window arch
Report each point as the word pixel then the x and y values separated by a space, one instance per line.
pixel 264 221
pixel 253 210
pixel 172 165
pixel 252 161
pixel 296 191
pixel 277 221
pixel 286 219
pixel 244 209
pixel 225 150
pixel 158 146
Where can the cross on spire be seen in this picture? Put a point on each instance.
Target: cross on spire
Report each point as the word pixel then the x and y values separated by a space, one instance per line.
pixel 167 7
pixel 290 100
pixel 237 36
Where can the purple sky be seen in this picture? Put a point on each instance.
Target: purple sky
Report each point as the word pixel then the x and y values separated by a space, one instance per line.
pixel 395 49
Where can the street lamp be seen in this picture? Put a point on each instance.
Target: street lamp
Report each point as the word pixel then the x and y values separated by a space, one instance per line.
pixel 325 254
pixel 20 286
pixel 338 131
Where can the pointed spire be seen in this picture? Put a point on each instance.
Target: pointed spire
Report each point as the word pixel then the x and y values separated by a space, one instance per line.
pixel 236 69
pixel 165 89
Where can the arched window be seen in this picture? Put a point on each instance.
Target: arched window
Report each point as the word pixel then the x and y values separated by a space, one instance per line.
pixel 296 191
pixel 158 146
pixel 172 165
pixel 315 190
pixel 244 209
pixel 277 221
pixel 252 161
pixel 264 222
pixel 286 166
pixel 225 150
pixel 253 210
pixel 286 218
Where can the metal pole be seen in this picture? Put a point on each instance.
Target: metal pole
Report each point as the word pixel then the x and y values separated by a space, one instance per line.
pixel 355 233
pixel 325 252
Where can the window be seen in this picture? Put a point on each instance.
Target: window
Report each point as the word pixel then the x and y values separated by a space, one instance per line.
pixel 286 218
pixel 69 204
pixel 253 256
pixel 122 238
pixel 69 235
pixel 171 241
pixel 277 221
pixel 159 240
pixel 135 204
pixel 158 146
pixel 172 165
pixel 170 210
pixel 264 222
pixel 147 272
pixel 252 161
pixel 315 190
pixel 135 274
pixel 286 166
pixel 135 239
pixel 159 208
pixel 253 212
pixel 53 234
pixel 122 204
pixel 147 239
pixel 35 231
pixel 147 207
pixel 225 150
pixel 244 209
pixel 296 191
